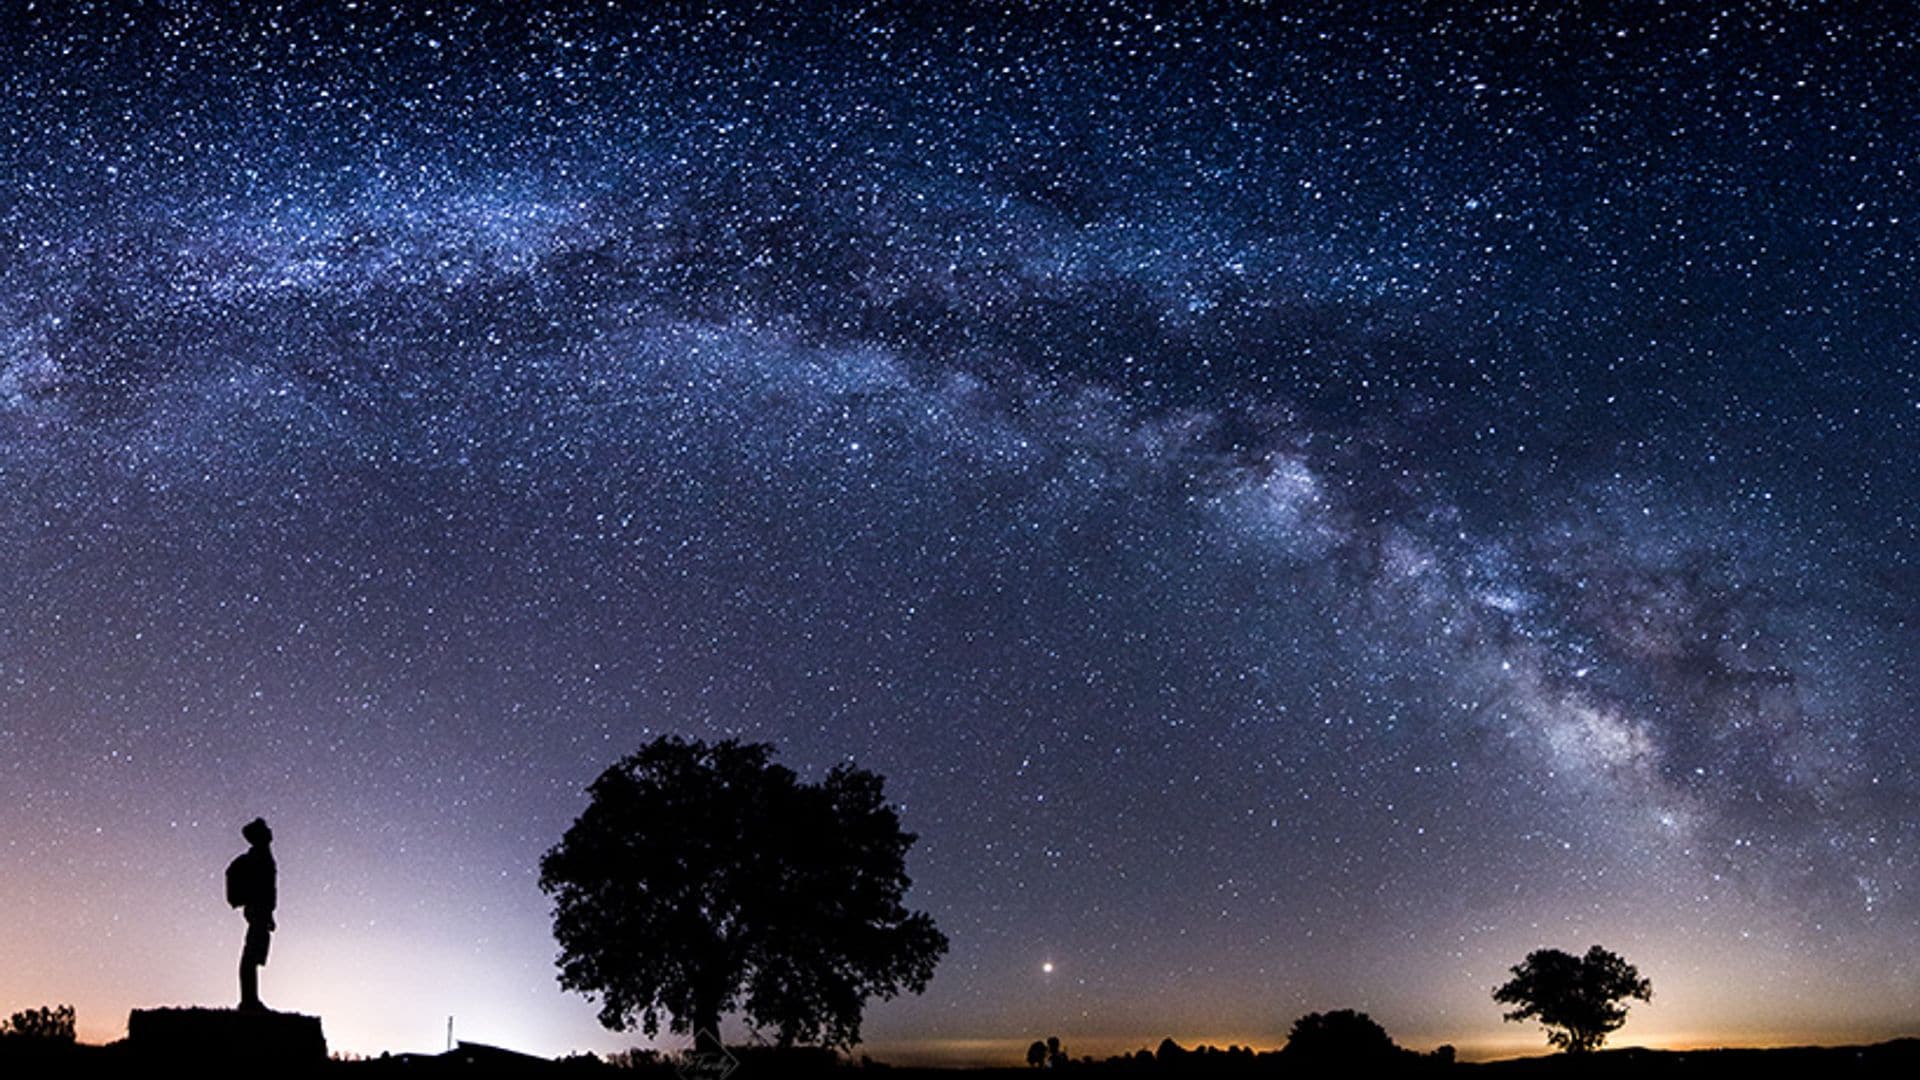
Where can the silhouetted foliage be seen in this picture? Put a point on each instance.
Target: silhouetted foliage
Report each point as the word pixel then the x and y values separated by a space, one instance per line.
pixel 1341 1035
pixel 1579 999
pixel 786 1061
pixel 1049 1054
pixel 636 1058
pixel 44 1025
pixel 703 880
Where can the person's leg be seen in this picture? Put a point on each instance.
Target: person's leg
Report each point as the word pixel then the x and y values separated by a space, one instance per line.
pixel 254 955
pixel 249 983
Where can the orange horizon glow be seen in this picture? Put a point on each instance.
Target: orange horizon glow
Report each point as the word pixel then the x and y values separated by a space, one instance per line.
pixel 991 1052
pixel 386 981
pixel 327 978
pixel 986 1052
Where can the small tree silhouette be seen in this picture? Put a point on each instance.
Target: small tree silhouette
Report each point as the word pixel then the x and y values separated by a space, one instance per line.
pixel 1579 996
pixel 42 1025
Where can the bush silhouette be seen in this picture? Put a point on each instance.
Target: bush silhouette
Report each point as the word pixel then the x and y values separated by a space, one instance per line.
pixel 1341 1035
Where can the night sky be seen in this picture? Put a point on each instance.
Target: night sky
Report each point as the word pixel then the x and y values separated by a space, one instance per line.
pixel 1301 509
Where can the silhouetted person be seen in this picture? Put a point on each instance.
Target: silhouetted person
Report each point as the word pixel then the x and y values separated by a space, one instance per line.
pixel 250 887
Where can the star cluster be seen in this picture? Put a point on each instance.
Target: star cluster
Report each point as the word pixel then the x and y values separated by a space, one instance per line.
pixel 1302 508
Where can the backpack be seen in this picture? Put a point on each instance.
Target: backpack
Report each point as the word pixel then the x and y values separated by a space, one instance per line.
pixel 237 882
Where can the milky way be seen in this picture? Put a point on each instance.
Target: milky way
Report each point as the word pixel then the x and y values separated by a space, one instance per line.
pixel 1301 510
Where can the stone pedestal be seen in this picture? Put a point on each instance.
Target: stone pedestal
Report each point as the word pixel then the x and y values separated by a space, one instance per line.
pixel 227 1037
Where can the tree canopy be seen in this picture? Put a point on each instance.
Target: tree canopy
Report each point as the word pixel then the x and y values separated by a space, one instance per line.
pixel 1579 999
pixel 706 880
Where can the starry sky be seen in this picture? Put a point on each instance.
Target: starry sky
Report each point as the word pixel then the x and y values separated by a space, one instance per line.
pixel 1302 509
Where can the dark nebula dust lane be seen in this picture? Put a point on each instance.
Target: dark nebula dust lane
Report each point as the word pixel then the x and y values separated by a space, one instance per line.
pixel 1302 509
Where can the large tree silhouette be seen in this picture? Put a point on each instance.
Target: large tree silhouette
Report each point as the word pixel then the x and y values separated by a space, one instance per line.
pixel 705 880
pixel 1579 996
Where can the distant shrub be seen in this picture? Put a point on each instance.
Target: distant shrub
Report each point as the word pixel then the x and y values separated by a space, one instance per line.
pixel 786 1062
pixel 1049 1054
pixel 1341 1035
pixel 639 1057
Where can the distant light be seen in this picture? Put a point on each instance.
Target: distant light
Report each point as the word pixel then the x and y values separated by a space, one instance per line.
pixel 1046 967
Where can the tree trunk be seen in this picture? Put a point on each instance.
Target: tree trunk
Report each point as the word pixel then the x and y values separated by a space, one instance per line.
pixel 706 1028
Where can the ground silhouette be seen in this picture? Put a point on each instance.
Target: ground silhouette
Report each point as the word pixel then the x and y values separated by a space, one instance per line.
pixel 1900 1058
